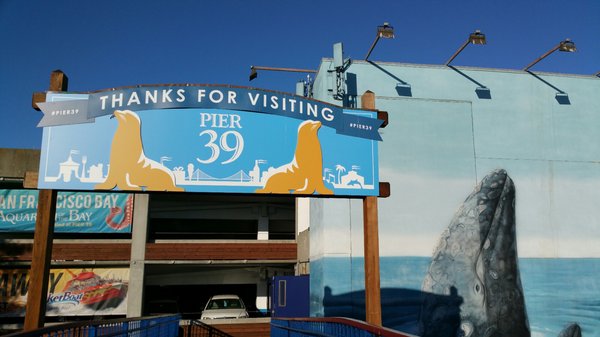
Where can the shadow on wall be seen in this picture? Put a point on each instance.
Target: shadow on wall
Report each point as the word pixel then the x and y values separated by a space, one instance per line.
pixel 482 91
pixel 400 307
pixel 561 96
pixel 402 87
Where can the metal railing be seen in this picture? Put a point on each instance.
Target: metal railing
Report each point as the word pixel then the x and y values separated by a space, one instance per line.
pixel 329 327
pixel 159 326
pixel 198 329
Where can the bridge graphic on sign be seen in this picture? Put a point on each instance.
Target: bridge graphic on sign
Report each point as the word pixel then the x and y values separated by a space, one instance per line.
pixel 76 167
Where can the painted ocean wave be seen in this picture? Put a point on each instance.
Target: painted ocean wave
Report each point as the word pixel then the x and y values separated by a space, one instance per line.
pixel 557 292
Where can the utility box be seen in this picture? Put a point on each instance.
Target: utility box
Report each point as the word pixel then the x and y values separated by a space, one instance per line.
pixel 290 296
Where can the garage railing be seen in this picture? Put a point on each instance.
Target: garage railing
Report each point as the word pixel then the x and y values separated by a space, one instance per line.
pixel 329 327
pixel 156 326
pixel 199 329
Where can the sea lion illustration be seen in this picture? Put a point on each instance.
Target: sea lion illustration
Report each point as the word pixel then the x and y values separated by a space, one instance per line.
pixel 303 175
pixel 130 169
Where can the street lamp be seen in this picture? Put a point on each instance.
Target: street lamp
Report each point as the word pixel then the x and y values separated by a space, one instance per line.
pixel 475 38
pixel 386 31
pixel 566 45
pixel 254 74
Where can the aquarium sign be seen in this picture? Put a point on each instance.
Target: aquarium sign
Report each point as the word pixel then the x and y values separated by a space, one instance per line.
pixel 76 212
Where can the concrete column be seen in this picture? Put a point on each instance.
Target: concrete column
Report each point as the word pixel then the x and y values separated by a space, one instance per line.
pixel 262 289
pixel 263 224
pixel 303 235
pixel 135 293
pixel 302 214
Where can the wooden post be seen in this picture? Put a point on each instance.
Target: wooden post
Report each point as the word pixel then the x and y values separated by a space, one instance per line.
pixel 35 311
pixel 58 81
pixel 371 234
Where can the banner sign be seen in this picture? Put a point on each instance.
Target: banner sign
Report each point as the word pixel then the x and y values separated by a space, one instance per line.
pixel 76 212
pixel 286 144
pixel 71 292
pixel 83 110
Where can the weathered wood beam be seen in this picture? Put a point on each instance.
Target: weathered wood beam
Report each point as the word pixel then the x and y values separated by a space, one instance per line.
pixel 371 244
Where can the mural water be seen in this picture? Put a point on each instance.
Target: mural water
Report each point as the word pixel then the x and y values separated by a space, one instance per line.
pixel 571 294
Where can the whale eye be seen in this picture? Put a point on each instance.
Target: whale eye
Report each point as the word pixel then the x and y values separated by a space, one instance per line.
pixel 477 288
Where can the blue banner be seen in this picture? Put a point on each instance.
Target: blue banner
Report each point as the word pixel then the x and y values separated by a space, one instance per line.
pixel 76 212
pixel 210 150
pixel 88 107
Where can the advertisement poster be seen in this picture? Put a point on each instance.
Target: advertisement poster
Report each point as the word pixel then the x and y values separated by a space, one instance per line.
pixel 207 139
pixel 71 292
pixel 76 212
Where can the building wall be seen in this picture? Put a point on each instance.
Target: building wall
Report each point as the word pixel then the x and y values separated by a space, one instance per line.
pixel 448 128
pixel 15 162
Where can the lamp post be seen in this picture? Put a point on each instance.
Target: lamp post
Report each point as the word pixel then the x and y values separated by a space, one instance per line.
pixel 475 38
pixel 565 45
pixel 254 74
pixel 386 31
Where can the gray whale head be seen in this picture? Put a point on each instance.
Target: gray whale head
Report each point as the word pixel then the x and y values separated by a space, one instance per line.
pixel 475 267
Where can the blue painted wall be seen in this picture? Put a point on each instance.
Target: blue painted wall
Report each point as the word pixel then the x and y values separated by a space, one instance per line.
pixel 448 128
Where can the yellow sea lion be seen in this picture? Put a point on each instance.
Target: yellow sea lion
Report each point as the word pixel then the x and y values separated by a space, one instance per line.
pixel 130 169
pixel 303 175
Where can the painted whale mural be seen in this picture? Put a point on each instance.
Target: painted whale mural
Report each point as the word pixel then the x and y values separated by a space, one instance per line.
pixel 472 287
pixel 476 260
pixel 476 266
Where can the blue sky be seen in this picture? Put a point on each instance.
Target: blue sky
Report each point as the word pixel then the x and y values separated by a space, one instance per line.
pixel 105 44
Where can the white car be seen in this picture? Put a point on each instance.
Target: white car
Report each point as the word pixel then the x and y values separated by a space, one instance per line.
pixel 224 306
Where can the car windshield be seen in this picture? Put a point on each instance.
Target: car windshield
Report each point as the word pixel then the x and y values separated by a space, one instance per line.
pixel 225 303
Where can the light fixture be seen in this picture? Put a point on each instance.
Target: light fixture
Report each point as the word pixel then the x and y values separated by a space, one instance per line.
pixel 475 38
pixel 566 45
pixel 386 31
pixel 254 74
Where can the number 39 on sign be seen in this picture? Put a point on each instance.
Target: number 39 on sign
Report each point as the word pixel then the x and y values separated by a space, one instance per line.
pixel 221 121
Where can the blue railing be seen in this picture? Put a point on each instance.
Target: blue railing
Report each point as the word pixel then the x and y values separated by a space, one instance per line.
pixel 329 327
pixel 156 326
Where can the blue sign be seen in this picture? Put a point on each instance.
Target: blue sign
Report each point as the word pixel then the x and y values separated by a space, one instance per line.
pixel 76 212
pixel 85 108
pixel 301 151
